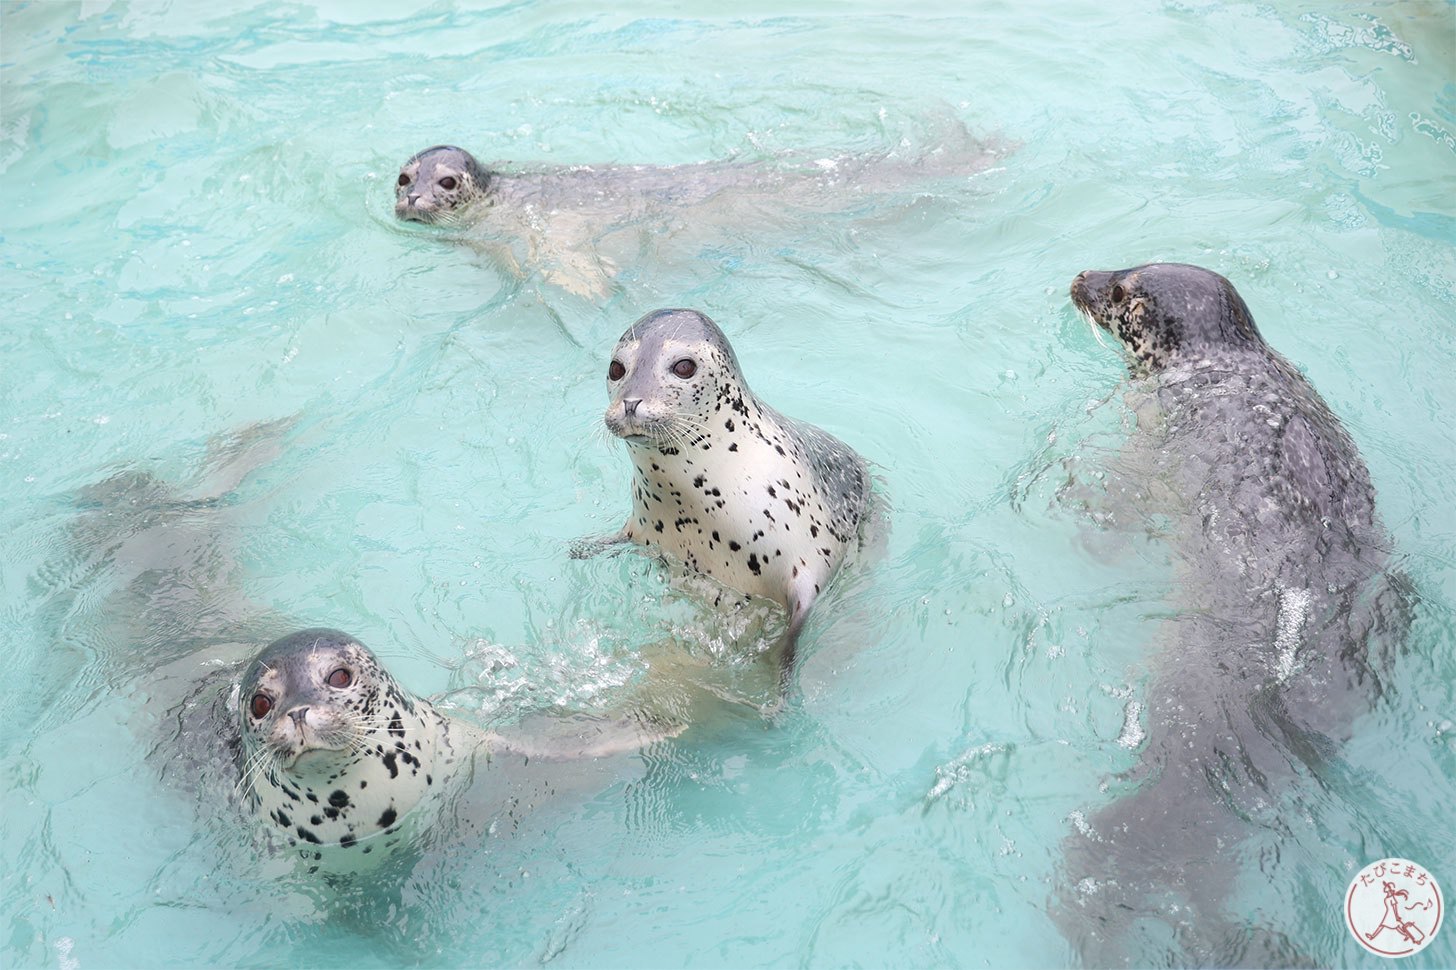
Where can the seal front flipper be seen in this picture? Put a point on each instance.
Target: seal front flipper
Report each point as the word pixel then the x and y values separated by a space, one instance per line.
pixel 803 591
pixel 571 735
pixel 596 545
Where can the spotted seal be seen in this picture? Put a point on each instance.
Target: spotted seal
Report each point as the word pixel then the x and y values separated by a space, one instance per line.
pixel 338 758
pixel 1283 613
pixel 577 225
pixel 726 485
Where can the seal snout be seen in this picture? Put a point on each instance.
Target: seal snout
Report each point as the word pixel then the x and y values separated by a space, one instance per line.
pixel 626 423
pixel 1089 288
pixel 415 209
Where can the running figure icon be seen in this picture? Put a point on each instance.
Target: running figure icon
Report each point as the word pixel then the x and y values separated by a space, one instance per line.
pixel 1391 920
pixel 1393 907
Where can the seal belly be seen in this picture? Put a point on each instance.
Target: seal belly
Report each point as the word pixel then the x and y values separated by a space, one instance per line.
pixel 752 524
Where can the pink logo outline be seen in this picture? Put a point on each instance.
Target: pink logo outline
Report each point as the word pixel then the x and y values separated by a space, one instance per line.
pixel 1394 908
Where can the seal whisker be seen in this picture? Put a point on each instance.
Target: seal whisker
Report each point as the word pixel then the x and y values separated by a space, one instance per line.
pixel 256 763
pixel 1092 324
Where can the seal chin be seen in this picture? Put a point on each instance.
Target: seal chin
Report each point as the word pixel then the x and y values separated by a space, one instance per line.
pixel 308 758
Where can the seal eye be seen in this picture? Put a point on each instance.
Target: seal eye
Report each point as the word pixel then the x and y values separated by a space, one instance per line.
pixel 1118 293
pixel 340 678
pixel 448 182
pixel 685 368
pixel 403 179
pixel 260 706
pixel 615 371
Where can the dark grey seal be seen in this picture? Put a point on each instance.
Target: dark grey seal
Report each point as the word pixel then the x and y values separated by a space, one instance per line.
pixel 1282 603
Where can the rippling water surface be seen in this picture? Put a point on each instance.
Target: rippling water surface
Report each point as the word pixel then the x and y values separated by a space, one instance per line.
pixel 239 398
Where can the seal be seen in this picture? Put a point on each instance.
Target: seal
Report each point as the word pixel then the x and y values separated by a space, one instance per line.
pixel 723 483
pixel 577 225
pixel 1282 608
pixel 1277 447
pixel 338 758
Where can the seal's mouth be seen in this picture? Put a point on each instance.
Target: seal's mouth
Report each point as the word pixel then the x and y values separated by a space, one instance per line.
pixel 410 213
pixel 1086 298
pixel 632 429
pixel 309 756
pixel 637 436
pixel 1081 298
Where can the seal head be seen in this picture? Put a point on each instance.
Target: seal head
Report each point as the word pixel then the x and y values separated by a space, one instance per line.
pixel 671 371
pixel 434 185
pixel 1165 313
pixel 334 750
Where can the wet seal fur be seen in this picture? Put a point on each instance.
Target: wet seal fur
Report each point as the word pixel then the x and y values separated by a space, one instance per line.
pixel 723 483
pixel 338 758
pixel 437 182
pixel 577 225
pixel 335 751
pixel 1283 610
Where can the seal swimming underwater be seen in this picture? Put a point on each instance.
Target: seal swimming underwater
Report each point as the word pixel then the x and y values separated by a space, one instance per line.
pixel 1283 605
pixel 731 488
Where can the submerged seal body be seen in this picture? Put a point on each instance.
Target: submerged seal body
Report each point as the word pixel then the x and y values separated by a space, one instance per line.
pixel 335 751
pixel 577 225
pixel 338 758
pixel 1281 605
pixel 723 483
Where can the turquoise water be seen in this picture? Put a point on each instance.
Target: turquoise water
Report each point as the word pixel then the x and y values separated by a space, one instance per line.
pixel 197 237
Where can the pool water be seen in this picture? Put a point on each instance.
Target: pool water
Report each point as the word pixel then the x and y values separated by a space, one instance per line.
pixel 239 398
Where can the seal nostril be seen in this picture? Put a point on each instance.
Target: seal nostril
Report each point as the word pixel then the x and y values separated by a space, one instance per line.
pixel 298 714
pixel 630 405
